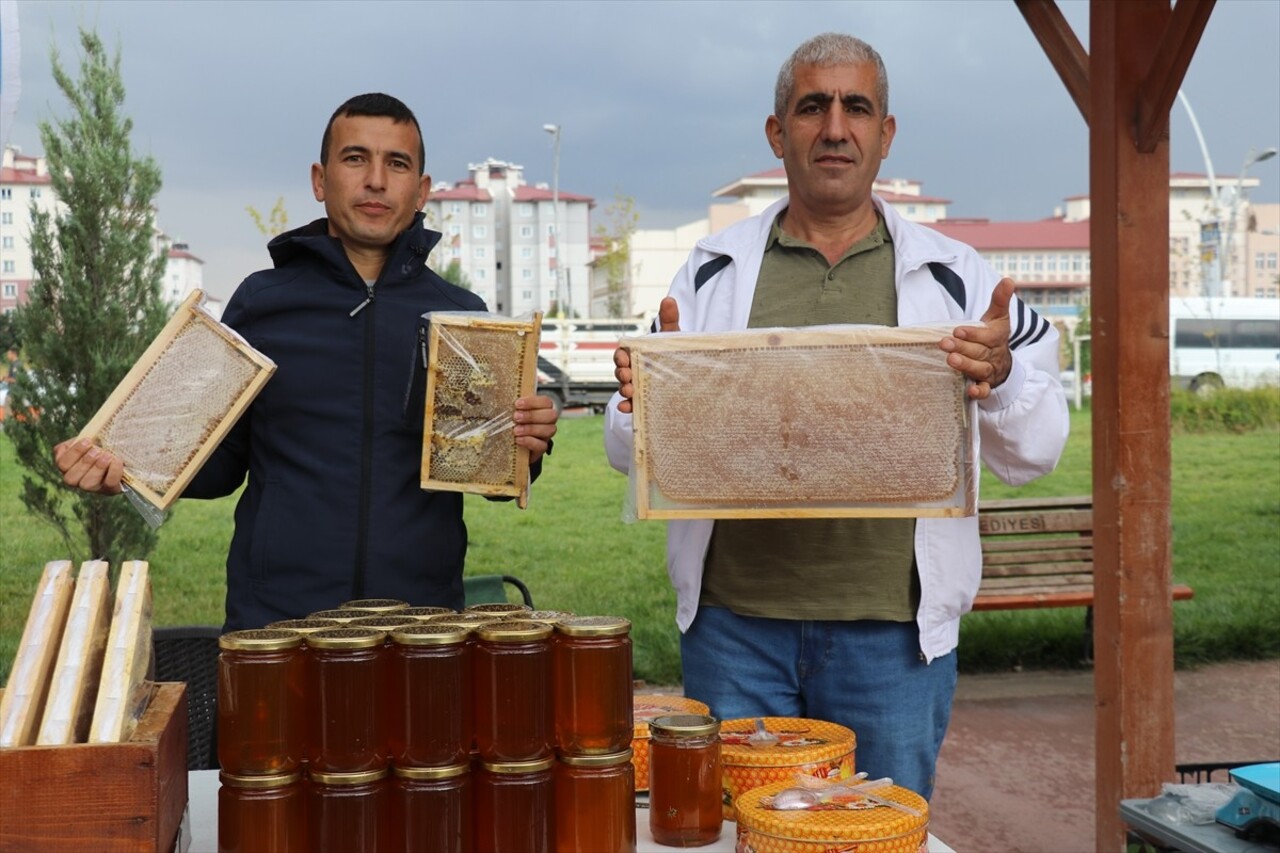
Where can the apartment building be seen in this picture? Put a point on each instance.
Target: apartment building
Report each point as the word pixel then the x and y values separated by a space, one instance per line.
pixel 24 182
pixel 503 233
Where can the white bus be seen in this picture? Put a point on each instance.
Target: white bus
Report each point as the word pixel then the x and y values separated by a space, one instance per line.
pixel 1229 341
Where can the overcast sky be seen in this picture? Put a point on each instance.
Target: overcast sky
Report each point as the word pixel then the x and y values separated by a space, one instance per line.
pixel 662 101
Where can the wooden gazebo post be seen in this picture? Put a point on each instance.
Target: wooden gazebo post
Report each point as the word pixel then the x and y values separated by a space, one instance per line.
pixel 1124 87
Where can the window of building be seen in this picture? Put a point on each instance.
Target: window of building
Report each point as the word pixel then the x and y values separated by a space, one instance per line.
pixel 1025 263
pixel 35 192
pixel 526 231
pixel 482 273
pixel 526 274
pixel 1038 266
pixel 1051 263
pixel 551 228
pixel 526 252
pixel 1271 260
pixel 455 230
pixel 6 219
pixel 481 253
pixel 480 211
pixel 479 231
pixel 8 266
pixel 525 210
pixel 7 242
pixel 1259 261
pixel 1077 263
pixel 455 209
pixel 911 210
pixel 11 291
pixel 6 193
pixel 526 295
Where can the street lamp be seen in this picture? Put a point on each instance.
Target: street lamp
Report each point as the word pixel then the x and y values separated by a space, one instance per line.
pixel 1236 198
pixel 554 130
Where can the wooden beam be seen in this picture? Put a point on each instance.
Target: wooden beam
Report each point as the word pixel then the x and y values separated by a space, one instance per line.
pixel 1129 241
pixel 1168 67
pixel 1063 48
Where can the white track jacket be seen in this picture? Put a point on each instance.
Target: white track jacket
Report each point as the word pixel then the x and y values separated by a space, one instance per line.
pixel 1022 425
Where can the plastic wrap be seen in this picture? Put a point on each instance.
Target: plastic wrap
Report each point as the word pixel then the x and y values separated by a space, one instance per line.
pixel 124 690
pixel 74 687
pixel 24 695
pixel 820 421
pixel 177 403
pixel 478 366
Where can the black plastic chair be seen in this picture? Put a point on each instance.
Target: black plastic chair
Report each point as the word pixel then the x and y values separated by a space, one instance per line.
pixel 491 589
pixel 190 653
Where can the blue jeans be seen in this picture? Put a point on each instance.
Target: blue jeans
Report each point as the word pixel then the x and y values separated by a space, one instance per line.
pixel 866 675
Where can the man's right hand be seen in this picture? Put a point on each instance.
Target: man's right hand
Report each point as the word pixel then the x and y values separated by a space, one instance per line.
pixel 668 321
pixel 89 468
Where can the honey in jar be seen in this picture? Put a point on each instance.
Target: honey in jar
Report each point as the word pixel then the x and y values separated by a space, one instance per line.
pixel 346 700
pixel 349 812
pixel 431 809
pixel 260 697
pixel 684 780
pixel 262 814
pixel 595 803
pixel 513 807
pixel 512 691
pixel 430 720
pixel 591 665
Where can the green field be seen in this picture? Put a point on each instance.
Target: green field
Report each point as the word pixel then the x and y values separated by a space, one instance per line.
pixel 574 551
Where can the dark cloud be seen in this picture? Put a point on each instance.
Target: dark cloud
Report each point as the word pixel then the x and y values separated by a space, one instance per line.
pixel 664 101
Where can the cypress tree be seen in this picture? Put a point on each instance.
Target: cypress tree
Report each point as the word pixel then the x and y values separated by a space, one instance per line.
pixel 95 303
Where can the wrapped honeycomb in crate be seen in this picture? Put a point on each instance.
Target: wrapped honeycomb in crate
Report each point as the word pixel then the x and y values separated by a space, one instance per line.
pixel 821 421
pixel 478 366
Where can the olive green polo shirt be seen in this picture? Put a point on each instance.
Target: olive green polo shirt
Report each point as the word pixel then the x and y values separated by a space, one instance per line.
pixel 821 568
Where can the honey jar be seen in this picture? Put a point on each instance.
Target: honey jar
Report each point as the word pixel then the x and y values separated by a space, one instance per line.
pixel 684 780
pixel 647 707
pixel 511 667
pixel 262 814
pixel 591 667
pixel 595 803
pixel 260 698
pixel 431 809
pixel 513 807
pixel 431 718
pixel 346 699
pixel 349 812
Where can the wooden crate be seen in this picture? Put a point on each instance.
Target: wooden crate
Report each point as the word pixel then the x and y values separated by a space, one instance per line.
pixel 820 422
pixel 100 797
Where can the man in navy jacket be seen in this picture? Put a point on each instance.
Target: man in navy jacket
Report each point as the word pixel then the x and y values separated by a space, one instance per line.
pixel 332 446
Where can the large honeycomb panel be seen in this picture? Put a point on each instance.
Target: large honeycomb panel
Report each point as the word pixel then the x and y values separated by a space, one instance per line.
pixel 836 421
pixel 479 365
pixel 178 401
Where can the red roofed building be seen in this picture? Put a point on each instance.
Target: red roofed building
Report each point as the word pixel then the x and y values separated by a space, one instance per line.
pixel 503 234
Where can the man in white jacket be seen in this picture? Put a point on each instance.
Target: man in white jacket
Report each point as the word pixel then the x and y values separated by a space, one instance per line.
pixel 855 621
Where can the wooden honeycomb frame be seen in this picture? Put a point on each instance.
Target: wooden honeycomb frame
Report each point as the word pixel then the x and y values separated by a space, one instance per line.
pixel 478 366
pixel 818 422
pixel 196 419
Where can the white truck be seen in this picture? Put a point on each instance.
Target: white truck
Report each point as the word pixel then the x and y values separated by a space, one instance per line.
pixel 575 360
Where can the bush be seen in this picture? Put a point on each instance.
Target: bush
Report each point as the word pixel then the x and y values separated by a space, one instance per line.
pixel 1226 410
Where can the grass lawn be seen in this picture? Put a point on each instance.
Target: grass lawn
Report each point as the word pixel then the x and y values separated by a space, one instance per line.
pixel 576 554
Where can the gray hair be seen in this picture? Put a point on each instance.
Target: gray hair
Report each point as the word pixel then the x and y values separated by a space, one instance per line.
pixel 825 51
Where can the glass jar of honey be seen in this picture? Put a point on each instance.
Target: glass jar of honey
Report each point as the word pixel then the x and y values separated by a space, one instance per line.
pixel 431 809
pixel 595 803
pixel 262 814
pixel 684 780
pixel 260 698
pixel 513 807
pixel 592 697
pixel 430 721
pixel 346 700
pixel 511 667
pixel 349 812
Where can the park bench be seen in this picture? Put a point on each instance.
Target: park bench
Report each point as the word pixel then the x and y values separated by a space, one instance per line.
pixel 1038 552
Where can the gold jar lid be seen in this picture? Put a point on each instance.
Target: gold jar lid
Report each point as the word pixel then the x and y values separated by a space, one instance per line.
pixel 278 780
pixel 361 778
pixel 608 759
pixel 420 612
pixel 337 615
pixel 346 637
pixel 260 640
pixel 498 607
pixel 475 620
pixel 305 626
pixel 425 774
pixel 375 605
pixel 513 767
pixel 514 631
pixel 550 617
pixel 684 725
pixel 594 626
pixel 430 634
pixel 384 621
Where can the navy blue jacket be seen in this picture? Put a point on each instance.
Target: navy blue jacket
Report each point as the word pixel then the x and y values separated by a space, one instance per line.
pixel 333 444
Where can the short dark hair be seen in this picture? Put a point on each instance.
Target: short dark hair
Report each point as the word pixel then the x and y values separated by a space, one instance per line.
pixel 375 104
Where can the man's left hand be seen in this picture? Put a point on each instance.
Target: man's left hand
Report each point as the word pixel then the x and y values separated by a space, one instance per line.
pixel 535 424
pixel 982 352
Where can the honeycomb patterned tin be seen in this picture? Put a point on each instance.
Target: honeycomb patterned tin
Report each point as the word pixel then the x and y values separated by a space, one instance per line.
pixel 834 827
pixel 649 707
pixel 812 747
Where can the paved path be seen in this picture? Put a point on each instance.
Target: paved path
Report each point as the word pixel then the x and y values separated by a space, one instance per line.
pixel 1017 769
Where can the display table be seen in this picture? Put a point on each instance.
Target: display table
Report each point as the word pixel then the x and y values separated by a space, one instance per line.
pixel 202 793
pixel 1187 837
